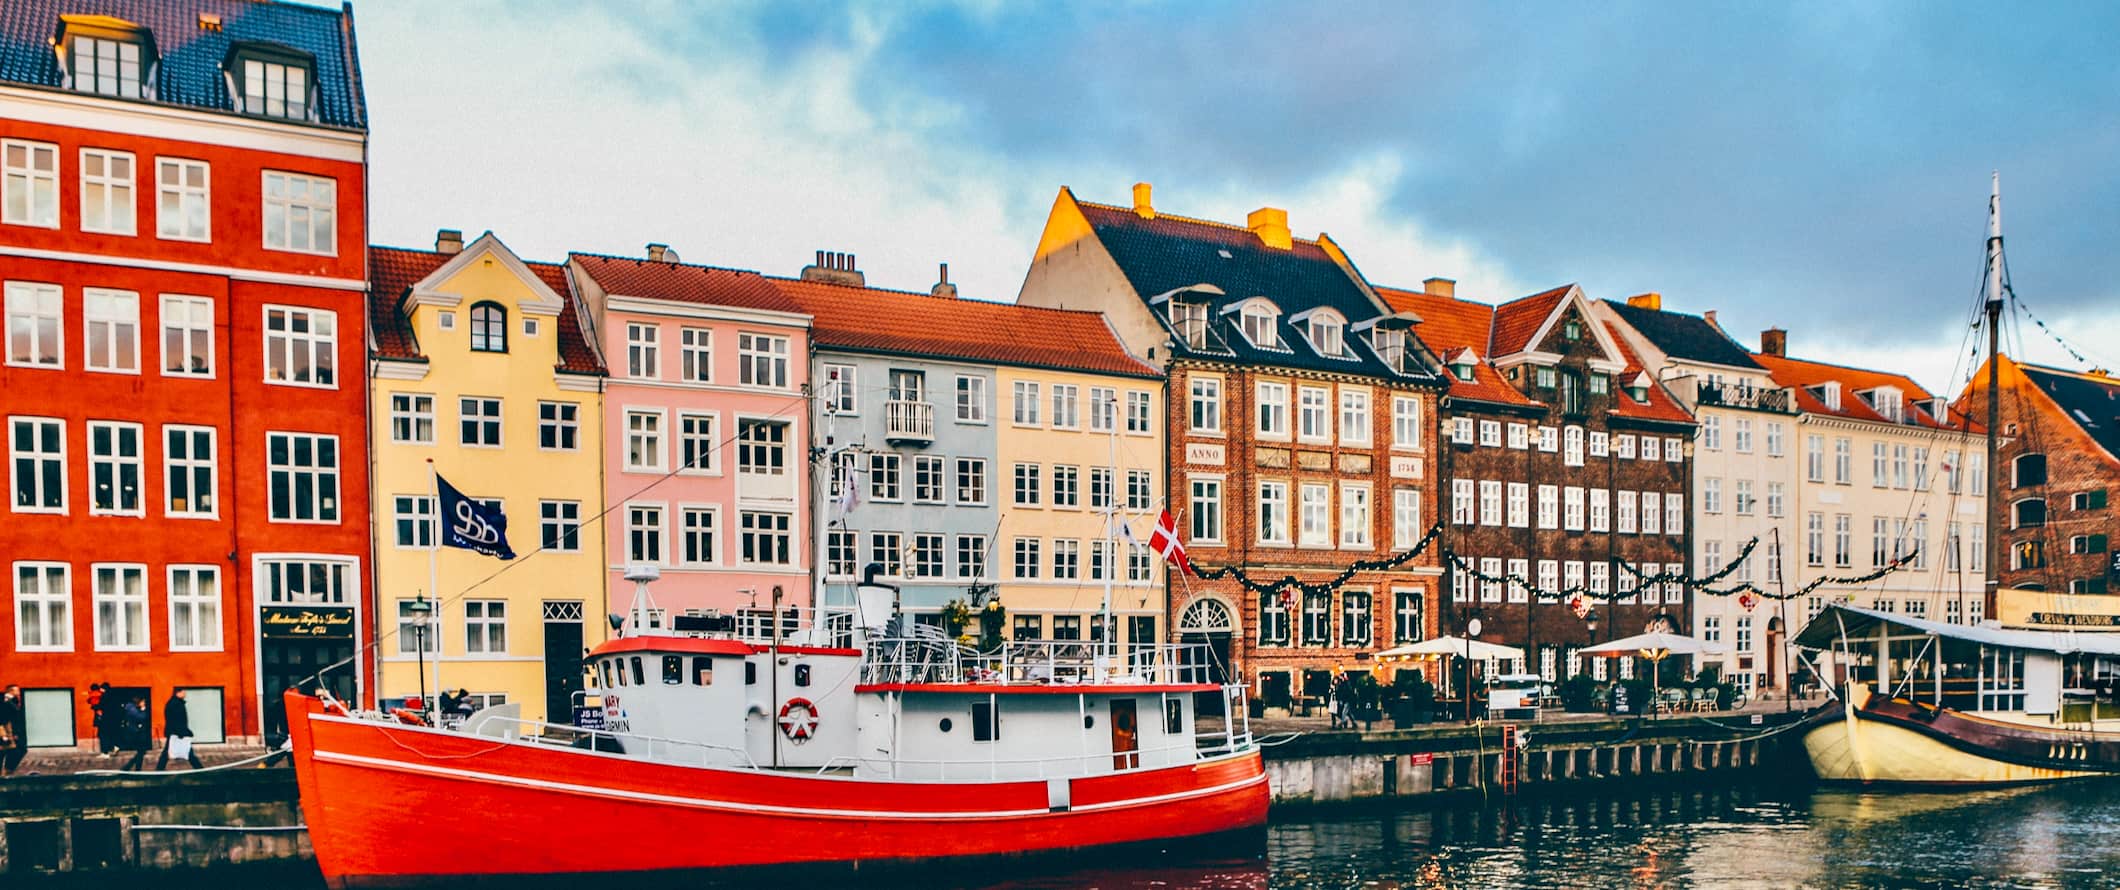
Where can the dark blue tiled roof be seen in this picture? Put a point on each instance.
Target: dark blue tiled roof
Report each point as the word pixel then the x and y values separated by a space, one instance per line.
pixel 2090 403
pixel 1682 336
pixel 191 56
pixel 1170 253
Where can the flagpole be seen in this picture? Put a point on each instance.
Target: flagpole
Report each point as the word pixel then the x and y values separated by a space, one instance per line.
pixel 434 551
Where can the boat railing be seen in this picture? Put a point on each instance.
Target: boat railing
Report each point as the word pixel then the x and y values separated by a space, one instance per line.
pixel 797 625
pixel 661 749
pixel 1062 766
pixel 917 659
pixel 932 658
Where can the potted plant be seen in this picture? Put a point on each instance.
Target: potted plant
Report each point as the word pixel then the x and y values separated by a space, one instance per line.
pixel 991 621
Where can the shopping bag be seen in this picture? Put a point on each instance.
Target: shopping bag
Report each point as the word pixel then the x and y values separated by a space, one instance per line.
pixel 179 747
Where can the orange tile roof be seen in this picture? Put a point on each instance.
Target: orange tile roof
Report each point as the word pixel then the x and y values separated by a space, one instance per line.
pixel 1801 375
pixel 684 283
pixel 1449 325
pixel 872 319
pixel 1518 320
pixel 392 271
pixel 1660 405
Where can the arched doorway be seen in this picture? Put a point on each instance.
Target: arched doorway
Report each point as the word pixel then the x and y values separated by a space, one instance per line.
pixel 1209 621
pixel 1774 665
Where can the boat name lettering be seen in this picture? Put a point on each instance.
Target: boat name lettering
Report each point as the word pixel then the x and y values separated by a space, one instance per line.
pixel 2072 619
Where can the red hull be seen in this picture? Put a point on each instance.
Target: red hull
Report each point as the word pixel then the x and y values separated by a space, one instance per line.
pixel 388 804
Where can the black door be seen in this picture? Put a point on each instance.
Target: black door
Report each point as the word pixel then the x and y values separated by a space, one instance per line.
pixel 297 663
pixel 563 659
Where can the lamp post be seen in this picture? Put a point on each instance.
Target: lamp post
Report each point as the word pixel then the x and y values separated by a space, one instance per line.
pixel 420 609
pixel 1472 629
pixel 1590 621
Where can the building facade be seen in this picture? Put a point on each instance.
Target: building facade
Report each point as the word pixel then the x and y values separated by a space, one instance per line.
pixel 1298 427
pixel 182 252
pixel 1746 462
pixel 705 431
pixel 2058 461
pixel 481 374
pixel 1566 467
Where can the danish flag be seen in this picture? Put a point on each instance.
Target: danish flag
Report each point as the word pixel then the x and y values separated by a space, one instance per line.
pixel 1165 541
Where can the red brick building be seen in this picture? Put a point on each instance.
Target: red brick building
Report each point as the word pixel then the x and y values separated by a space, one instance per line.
pixel 1562 460
pixel 2058 464
pixel 182 237
pixel 1300 438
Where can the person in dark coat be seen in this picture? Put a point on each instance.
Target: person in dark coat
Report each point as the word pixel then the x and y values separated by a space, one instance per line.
pixel 14 730
pixel 100 718
pixel 176 724
pixel 134 730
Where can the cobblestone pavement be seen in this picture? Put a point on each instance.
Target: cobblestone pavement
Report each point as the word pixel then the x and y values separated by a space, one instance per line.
pixel 64 761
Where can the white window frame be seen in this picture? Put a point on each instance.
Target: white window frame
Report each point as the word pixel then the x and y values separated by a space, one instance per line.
pixel 289 340
pixel 1357 420
pixel 109 185
pixel 119 314
pixel 131 624
pixel 1026 403
pixel 643 350
pixel 1205 522
pixel 553 515
pixel 1270 404
pixel 695 351
pixel 40 206
pixel 564 422
pixel 485 634
pixel 1406 530
pixel 698 432
pixel 412 522
pixel 1314 515
pixel 971 399
pixel 1203 405
pixel 179 317
pixel 498 421
pixel 1140 413
pixel 32 303
pixel 687 532
pixel 319 208
pixel 52 610
pixel 646 533
pixel 190 467
pixel 174 200
pixel 1314 419
pixel 190 609
pixel 1406 423
pixel 40 456
pixel 759 354
pixel 653 442
pixel 1273 513
pixel 1357 516
pixel 336 470
pixel 1067 406
pixel 118 462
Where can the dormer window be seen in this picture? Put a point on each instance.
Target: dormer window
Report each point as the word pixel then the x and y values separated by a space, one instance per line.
pixel 1261 324
pixel 272 80
pixel 1390 346
pixel 1886 401
pixel 1638 388
pixel 105 56
pixel 489 327
pixel 1827 392
pixel 1190 320
pixel 1326 335
pixel 1462 371
pixel 1572 330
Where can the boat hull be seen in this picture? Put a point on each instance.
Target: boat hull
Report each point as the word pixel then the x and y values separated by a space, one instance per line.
pixel 1871 740
pixel 393 805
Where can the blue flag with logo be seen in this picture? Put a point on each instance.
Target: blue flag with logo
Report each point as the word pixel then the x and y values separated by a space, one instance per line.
pixel 472 525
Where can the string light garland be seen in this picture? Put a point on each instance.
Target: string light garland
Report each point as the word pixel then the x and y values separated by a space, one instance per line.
pixel 1288 582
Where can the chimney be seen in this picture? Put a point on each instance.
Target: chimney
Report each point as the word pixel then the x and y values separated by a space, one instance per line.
pixel 1710 317
pixel 1440 287
pixel 1271 225
pixel 1653 302
pixel 661 253
pixel 834 268
pixel 943 287
pixel 1774 341
pixel 448 241
pixel 1142 206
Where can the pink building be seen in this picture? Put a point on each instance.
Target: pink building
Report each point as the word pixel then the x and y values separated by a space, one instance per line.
pixel 705 434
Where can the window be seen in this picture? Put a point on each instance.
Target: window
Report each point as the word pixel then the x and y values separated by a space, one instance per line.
pixel 479 422
pixel 1880 472
pixel 43 607
pixel 2028 513
pixel 1354 618
pixel 1711 628
pixel 766 540
pixel 1546 378
pixel 182 205
pixel 2088 500
pixel 1775 499
pixel 1490 583
pixel 1461 430
pixel 1406 611
pixel 1573 441
pixel 1519 436
pixel 1316 520
pixel 1490 502
pixel 1843 461
pixel 1549 441
pixel 1354 515
pixel 560 525
pixel 643 351
pixel 1711 432
pixel 971 399
pixel 1139 483
pixel 695 530
pixel 1976 549
pixel 1600 510
pixel 489 327
pixel 644 533
pixel 416 634
pixel 1880 542
pixel 1023 401
pixel 190 476
pixel 971 556
pixel 1651 513
pixel 696 358
pixel 839 556
pixel 558 426
pixel 1139 567
pixel 1490 434
pixel 36 333
pixel 1137 412
pixel 927 479
pixel 1067 486
pixel 1843 540
pixel 1259 323
pixel 187 336
pixel 887 553
pixel 1206 509
pixel 1067 566
pixel 301 346
pixel 29 183
pixel 414 521
pixel 2028 470
pixel 1354 417
pixel 1649 447
pixel 301 213
pixel 1273 619
pixel 303 475
pixel 1675 514
pixel 1317 618
pixel 1745 503
pixel 1627 514
pixel 275 89
pixel 1103 408
pixel 307 582
pixel 1572 508
pixel 121 607
pixel 486 627
pixel 107 191
pixel 1027 560
pixel 1814 458
pixel 1743 428
pixel 971 481
pixel 1623 448
pixel 1462 511
pixel 1027 489
pixel 1328 336
pixel 1600 444
pixel 112 322
pixel 1405 422
pixel 886 482
pixel 927 556
pixel 1066 406
pixel 1273 409
pixel 761 448
pixel 1519 505
pixel 1314 414
pixel 1953 472
pixel 1519 572
pixel 1774 437
pixel 1899 466
pixel 194 608
pixel 1100 488
pixel 114 469
pixel 1206 404
pixel 1406 528
pixel 762 360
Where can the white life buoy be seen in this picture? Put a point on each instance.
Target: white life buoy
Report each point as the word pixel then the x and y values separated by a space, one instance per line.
pixel 798 720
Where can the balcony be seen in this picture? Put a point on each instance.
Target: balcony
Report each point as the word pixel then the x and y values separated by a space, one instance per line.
pixel 1752 398
pixel 908 422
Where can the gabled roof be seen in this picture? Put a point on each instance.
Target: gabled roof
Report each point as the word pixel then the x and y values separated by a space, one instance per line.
pixel 1660 405
pixel 1518 321
pixel 1449 326
pixel 1166 253
pixel 190 55
pixel 1684 337
pixel 682 283
pixel 392 273
pixel 875 320
pixel 1802 375
pixel 2091 402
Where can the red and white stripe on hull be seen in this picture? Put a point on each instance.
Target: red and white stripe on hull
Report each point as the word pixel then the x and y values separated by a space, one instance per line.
pixel 392 804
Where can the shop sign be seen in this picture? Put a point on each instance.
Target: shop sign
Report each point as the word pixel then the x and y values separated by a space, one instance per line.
pixel 306 623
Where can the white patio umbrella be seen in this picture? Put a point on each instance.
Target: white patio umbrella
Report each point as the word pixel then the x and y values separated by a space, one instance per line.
pixel 1441 646
pixel 1652 646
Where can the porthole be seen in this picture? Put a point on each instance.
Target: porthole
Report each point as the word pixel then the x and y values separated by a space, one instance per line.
pixel 945 724
pixel 1088 721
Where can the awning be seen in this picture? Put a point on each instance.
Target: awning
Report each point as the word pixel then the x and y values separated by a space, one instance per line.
pixel 1824 632
pixel 1441 646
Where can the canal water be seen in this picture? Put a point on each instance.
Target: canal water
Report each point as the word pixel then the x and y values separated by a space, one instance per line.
pixel 1768 835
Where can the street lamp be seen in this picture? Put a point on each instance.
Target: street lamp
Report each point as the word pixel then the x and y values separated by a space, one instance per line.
pixel 1472 629
pixel 420 609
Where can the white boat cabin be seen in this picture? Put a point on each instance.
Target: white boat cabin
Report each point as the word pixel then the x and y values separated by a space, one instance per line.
pixel 2041 677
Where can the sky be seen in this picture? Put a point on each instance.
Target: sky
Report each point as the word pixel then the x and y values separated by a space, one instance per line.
pixel 1821 167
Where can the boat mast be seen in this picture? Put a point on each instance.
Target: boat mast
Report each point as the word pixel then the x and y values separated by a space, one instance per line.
pixel 1111 537
pixel 1993 581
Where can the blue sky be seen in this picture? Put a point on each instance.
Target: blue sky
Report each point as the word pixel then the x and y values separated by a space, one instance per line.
pixel 1821 167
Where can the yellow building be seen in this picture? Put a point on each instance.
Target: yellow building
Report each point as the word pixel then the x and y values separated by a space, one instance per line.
pixel 1072 449
pixel 480 372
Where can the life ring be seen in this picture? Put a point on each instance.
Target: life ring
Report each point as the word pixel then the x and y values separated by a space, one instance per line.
pixel 798 720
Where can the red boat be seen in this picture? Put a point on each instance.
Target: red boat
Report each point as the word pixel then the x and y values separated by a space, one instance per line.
pixel 719 751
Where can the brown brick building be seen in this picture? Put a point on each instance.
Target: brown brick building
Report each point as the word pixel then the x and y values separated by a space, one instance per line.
pixel 1561 460
pixel 1300 430
pixel 2059 462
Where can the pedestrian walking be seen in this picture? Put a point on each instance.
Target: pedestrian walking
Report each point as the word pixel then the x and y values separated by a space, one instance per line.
pixel 176 732
pixel 135 730
pixel 100 718
pixel 14 730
